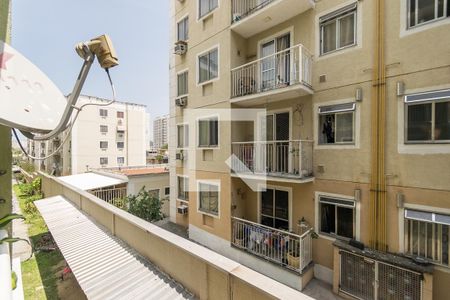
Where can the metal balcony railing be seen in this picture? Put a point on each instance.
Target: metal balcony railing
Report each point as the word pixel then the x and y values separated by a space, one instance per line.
pixel 293 158
pixel 115 196
pixel 275 71
pixel 244 8
pixel 289 250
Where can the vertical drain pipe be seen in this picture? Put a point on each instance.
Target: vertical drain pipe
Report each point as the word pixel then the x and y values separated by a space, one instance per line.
pixel 377 238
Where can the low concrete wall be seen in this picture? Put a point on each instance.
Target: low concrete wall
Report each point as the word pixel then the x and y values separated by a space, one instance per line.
pixel 205 273
pixel 29 177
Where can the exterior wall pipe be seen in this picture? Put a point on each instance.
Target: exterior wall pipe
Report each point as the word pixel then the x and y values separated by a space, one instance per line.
pixel 377 237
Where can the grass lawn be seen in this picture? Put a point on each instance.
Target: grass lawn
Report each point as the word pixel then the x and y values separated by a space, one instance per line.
pixel 40 273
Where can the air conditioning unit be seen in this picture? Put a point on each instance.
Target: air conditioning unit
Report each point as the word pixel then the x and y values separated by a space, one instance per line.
pixel 182 209
pixel 180 48
pixel 180 156
pixel 181 102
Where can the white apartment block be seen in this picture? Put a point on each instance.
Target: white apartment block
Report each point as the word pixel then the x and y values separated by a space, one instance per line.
pixel 103 136
pixel 160 131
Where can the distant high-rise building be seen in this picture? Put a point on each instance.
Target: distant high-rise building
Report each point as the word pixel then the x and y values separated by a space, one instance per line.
pixel 160 131
pixel 103 136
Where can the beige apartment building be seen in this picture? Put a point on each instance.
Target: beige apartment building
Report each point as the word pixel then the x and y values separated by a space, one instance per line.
pixel 103 136
pixel 346 143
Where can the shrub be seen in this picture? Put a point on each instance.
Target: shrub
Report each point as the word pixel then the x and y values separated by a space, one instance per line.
pixel 121 203
pixel 20 177
pixel 145 206
pixel 26 189
pixel 30 189
pixel 36 185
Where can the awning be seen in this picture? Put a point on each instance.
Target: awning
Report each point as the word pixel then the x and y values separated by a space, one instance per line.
pixel 104 266
pixel 90 181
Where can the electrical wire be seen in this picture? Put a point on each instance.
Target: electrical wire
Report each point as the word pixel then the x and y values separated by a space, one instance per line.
pixel 72 123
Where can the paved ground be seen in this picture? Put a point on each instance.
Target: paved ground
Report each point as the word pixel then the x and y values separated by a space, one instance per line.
pixel 20 229
pixel 320 290
pixel 172 227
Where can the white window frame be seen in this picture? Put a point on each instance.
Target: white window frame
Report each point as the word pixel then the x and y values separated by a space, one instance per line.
pixel 406 30
pixel 280 188
pixel 209 182
pixel 120 148
pixel 356 125
pixel 185 186
pixel 120 112
pixel 187 82
pixel 337 112
pixel 336 19
pixel 205 52
pixel 204 118
pixel 122 158
pixel 356 215
pixel 183 19
pixel 103 159
pixel 206 15
pixel 186 136
pixel 417 148
pixel 358 31
pixel 436 18
pixel 433 102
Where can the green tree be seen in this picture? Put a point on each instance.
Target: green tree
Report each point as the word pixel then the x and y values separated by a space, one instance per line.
pixel 145 206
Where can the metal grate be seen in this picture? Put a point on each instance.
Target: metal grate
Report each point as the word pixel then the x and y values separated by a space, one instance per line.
pixel 398 283
pixel 369 279
pixel 357 276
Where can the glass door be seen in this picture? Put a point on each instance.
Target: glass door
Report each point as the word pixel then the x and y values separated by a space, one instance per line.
pixel 275 65
pixel 282 145
pixel 275 209
pixel 268 65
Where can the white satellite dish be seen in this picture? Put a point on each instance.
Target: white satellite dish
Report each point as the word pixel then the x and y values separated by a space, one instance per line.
pixel 29 100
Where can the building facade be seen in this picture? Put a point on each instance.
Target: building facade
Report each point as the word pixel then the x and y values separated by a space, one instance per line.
pixel 298 126
pixel 160 131
pixel 102 136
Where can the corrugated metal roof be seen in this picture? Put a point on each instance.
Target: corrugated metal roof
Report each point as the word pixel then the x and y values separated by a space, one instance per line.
pixel 90 181
pixel 105 267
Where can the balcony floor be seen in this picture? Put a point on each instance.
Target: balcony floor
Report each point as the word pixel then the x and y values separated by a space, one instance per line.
pixel 274 95
pixel 278 177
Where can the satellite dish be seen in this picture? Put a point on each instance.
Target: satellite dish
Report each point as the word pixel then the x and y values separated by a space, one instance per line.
pixel 29 100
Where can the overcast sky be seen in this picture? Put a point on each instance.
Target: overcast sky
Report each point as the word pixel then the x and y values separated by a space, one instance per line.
pixel 46 31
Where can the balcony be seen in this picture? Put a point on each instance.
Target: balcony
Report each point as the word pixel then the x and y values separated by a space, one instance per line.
pixel 286 161
pixel 250 17
pixel 289 250
pixel 282 75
